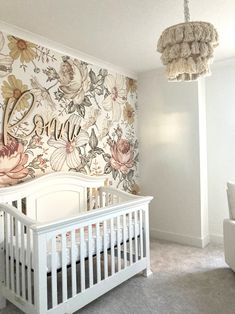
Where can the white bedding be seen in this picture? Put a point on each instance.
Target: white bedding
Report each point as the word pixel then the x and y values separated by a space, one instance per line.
pixel 107 240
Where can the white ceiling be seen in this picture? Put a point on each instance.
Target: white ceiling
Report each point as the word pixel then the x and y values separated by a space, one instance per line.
pixel 122 32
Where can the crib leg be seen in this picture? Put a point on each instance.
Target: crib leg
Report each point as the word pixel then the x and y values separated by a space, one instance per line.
pixel 147 272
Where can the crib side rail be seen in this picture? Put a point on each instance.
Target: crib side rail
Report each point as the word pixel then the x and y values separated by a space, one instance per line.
pixel 16 247
pixel 105 196
pixel 100 243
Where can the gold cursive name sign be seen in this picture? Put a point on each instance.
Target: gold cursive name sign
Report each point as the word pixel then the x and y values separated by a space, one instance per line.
pixel 39 126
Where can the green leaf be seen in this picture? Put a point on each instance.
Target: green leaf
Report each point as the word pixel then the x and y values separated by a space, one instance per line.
pixel 93 141
pixel 86 102
pixel 99 150
pixel 81 110
pixel 107 168
pixel 71 107
pixel 114 173
pixel 130 174
pixel 106 157
pixel 125 185
pixel 99 91
pixel 136 144
pixel 92 76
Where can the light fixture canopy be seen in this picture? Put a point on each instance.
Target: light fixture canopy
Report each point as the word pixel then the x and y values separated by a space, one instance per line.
pixel 187 48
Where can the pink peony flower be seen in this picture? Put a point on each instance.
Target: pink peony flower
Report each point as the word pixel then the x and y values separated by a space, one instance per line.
pixel 12 162
pixel 122 156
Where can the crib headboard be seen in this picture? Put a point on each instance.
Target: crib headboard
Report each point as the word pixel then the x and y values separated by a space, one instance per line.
pixel 53 196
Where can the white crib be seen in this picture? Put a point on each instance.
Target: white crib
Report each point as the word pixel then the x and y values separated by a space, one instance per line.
pixel 66 239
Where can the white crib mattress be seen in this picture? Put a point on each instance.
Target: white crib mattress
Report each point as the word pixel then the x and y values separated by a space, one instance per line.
pixel 106 240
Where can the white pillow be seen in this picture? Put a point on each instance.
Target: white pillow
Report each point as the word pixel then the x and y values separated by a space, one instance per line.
pixel 231 199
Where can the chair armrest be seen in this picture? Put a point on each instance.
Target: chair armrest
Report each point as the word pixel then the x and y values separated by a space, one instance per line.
pixel 229 242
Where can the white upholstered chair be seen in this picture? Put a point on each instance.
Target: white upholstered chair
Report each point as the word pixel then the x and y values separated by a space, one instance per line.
pixel 229 228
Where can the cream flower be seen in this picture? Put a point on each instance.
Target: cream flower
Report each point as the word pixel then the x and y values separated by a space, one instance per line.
pixel 42 94
pixel 74 79
pixel 66 151
pixel 117 88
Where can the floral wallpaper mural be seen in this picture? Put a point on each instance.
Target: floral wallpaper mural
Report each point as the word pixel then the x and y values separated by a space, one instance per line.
pixel 58 113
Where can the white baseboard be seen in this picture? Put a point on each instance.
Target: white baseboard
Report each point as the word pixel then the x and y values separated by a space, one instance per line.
pixel 216 238
pixel 179 238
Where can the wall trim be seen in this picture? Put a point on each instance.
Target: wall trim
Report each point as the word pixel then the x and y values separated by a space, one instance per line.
pixel 179 238
pixel 63 49
pixel 216 238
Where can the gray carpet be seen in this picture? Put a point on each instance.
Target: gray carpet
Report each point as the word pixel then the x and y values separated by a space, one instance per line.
pixel 185 280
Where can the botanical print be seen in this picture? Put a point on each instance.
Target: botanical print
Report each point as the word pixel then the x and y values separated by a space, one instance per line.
pixel 65 90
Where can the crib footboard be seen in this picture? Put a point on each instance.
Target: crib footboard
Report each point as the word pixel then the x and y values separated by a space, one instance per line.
pixel 59 267
pixel 82 258
pixel 16 247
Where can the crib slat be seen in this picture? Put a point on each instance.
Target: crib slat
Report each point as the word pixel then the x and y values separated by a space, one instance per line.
pixel 28 256
pixel 7 248
pixel 96 198
pixel 106 199
pixel 141 234
pixel 90 256
pixel 136 236
pixel 53 272
pixel 124 240
pixel 22 260
pixel 105 249
pixel 73 257
pixel 64 268
pixel 17 257
pixel 82 259
pixel 12 254
pixel 118 243
pixel 101 196
pixel 112 247
pixel 98 270
pixel 90 199
pixel 130 237
pixel 19 205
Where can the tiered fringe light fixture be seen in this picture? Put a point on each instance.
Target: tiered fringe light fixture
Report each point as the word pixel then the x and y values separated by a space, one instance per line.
pixel 187 48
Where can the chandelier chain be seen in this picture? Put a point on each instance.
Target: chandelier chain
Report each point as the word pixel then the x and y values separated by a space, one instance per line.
pixel 186 11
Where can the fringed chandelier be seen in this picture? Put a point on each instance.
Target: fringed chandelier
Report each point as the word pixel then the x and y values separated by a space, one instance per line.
pixel 187 48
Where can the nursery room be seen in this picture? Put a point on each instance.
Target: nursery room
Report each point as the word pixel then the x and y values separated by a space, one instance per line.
pixel 117 156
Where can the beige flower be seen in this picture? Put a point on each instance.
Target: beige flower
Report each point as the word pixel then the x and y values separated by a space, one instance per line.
pixel 74 79
pixel 12 162
pixel 13 89
pixel 117 97
pixel 131 85
pixel 128 113
pixel 135 189
pixel 22 49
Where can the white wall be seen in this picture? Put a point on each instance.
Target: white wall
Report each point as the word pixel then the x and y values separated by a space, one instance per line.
pixel 170 157
pixel 220 99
